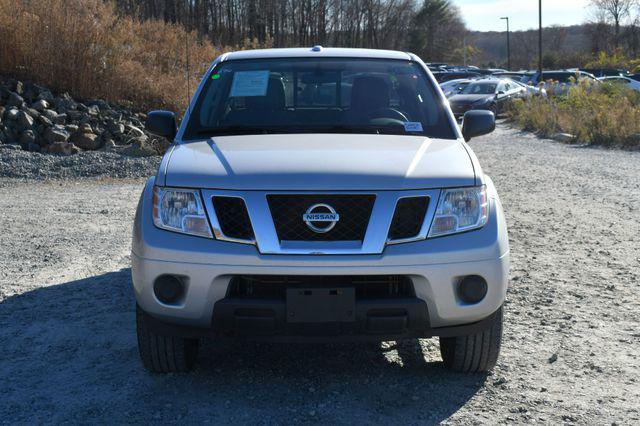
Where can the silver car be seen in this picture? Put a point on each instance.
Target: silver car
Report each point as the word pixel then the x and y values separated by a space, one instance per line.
pixel 319 195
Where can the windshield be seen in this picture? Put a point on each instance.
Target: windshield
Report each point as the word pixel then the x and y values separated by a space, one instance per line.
pixel 480 89
pixel 318 95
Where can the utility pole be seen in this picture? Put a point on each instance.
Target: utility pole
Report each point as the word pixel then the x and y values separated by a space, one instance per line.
pixel 540 38
pixel 464 49
pixel 508 45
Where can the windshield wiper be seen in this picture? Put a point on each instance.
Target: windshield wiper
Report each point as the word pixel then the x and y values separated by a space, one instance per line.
pixel 234 130
pixel 264 130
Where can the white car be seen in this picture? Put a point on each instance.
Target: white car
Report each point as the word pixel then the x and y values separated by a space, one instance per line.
pixel 319 194
pixel 531 90
pixel 629 82
pixel 454 87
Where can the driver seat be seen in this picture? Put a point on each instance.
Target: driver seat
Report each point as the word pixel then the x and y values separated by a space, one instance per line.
pixel 368 95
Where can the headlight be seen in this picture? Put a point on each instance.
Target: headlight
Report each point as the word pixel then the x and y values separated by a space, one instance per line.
pixel 180 210
pixel 460 210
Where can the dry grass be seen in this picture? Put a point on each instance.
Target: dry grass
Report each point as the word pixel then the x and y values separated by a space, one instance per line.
pixel 606 114
pixel 85 48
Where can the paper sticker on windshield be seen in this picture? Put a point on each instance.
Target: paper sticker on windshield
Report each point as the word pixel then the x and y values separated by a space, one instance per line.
pixel 413 126
pixel 249 83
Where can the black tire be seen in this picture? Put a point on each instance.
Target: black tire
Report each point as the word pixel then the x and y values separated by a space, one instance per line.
pixel 164 354
pixel 475 353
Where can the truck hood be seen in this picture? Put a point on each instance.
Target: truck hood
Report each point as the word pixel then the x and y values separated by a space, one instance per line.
pixel 319 162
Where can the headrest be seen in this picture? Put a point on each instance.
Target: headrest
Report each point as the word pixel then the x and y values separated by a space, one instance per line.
pixel 369 93
pixel 274 100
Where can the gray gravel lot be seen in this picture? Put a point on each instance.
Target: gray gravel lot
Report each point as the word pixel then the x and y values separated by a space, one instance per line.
pixel 19 164
pixel 571 349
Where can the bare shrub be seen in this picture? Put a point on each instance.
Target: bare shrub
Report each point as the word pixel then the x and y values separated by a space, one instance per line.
pixel 603 114
pixel 84 47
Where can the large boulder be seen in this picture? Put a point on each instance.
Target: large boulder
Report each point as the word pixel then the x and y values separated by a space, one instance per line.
pixel 50 114
pixel 18 87
pixel 56 134
pixel 64 148
pixel 60 119
pixel 44 121
pixel 46 95
pixel 87 141
pixel 93 110
pixel 85 128
pixel 76 116
pixel 40 105
pixel 15 100
pixel 27 137
pixel 11 114
pixel 23 121
pixel 139 149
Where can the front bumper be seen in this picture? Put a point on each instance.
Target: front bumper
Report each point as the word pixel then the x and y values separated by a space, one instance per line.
pixel 434 266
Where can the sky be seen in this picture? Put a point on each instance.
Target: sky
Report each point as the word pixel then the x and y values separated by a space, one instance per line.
pixel 484 15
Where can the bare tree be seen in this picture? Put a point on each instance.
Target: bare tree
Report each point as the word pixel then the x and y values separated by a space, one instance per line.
pixel 282 23
pixel 614 12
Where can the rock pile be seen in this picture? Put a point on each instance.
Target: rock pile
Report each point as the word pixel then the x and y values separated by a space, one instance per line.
pixel 37 120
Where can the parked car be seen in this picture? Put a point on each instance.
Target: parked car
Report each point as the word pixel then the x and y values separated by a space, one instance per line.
pixel 531 90
pixel 486 94
pixel 443 77
pixel 558 83
pixel 454 87
pixel 635 77
pixel 629 82
pixel 563 76
pixel 286 211
pixel 605 72
pixel 514 75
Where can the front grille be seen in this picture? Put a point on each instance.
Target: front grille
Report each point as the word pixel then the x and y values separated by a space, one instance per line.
pixel 272 287
pixel 408 217
pixel 233 217
pixel 288 210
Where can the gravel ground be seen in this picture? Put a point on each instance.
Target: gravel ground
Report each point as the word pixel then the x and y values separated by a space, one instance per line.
pixel 571 349
pixel 16 163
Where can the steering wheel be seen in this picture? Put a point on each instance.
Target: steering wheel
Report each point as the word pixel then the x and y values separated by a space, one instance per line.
pixel 390 113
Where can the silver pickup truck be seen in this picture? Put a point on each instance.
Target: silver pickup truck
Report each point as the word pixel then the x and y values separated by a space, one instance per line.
pixel 319 195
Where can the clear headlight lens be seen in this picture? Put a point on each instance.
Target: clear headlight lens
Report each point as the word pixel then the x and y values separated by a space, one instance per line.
pixel 180 210
pixel 460 210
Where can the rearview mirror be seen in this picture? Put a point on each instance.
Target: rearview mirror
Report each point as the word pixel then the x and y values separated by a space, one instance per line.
pixel 477 123
pixel 162 123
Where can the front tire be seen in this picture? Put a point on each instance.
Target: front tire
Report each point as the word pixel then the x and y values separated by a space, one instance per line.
pixel 164 354
pixel 475 353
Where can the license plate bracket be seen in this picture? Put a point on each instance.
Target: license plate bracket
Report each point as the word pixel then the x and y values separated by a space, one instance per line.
pixel 315 305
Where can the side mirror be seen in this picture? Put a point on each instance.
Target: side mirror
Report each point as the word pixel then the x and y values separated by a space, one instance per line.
pixel 477 123
pixel 162 123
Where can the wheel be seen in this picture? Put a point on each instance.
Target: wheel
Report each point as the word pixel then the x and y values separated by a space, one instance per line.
pixel 494 110
pixel 164 354
pixel 475 353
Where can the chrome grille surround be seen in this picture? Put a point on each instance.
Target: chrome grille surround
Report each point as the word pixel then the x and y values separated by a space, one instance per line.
pixel 375 238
